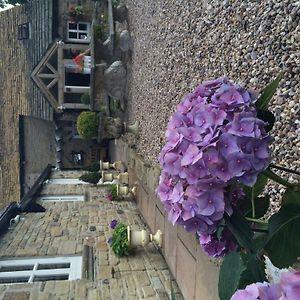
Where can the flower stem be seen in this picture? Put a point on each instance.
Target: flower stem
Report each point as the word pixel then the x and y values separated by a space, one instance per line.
pixel 270 174
pixel 257 220
pixel 260 230
pixel 252 203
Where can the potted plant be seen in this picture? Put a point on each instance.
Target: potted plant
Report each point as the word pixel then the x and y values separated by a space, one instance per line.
pixel 119 240
pixel 124 239
pixel 113 194
pixel 87 124
pixel 92 177
pixel 215 167
pixel 75 13
pixel 92 125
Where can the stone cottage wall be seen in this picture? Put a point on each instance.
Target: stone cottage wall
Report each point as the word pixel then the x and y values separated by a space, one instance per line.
pixel 195 273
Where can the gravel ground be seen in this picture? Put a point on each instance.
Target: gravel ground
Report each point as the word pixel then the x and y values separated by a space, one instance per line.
pixel 178 43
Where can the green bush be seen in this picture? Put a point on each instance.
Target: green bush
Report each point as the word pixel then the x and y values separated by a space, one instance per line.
pixel 85 99
pixel 87 124
pixel 95 167
pixel 120 244
pixel 92 177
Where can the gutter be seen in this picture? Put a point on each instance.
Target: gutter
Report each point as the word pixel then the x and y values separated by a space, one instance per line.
pixel 27 203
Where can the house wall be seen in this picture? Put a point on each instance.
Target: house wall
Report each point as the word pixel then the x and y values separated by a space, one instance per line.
pixel 18 94
pixel 63 9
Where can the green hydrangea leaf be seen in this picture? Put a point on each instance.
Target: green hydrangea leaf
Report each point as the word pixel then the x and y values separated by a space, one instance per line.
pixel 241 230
pixel 230 275
pixel 291 197
pixel 267 93
pixel 283 244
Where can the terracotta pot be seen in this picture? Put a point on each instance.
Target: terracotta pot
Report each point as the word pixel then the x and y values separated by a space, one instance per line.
pixel 142 237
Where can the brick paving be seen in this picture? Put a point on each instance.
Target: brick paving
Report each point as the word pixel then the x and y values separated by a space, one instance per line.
pixel 66 228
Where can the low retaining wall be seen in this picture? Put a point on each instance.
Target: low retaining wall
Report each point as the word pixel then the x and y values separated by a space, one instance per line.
pixel 195 273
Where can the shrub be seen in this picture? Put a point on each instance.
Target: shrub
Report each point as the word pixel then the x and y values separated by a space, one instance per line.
pixel 119 241
pixel 90 177
pixel 85 99
pixel 87 124
pixel 95 167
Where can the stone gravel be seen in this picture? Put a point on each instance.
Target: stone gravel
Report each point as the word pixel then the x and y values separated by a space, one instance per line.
pixel 178 43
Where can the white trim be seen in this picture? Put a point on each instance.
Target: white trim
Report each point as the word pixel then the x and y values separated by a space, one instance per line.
pixel 61 198
pixel 33 269
pixel 66 181
pixel 87 32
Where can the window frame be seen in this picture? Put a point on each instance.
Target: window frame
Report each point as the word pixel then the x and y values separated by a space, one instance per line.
pixel 73 272
pixel 62 198
pixel 77 31
pixel 24 31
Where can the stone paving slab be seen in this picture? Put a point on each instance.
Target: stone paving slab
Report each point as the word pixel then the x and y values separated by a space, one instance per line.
pixel 70 227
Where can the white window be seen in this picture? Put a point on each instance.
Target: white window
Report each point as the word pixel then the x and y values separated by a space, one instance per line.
pixel 61 198
pixel 40 269
pixel 65 181
pixel 79 32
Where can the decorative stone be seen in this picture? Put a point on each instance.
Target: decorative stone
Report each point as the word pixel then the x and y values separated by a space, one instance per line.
pixel 115 80
pixel 125 40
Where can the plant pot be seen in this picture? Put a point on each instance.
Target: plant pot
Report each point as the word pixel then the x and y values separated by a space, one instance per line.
pixel 134 128
pixel 122 190
pixel 123 178
pixel 104 165
pixel 142 237
pixel 117 165
pixel 107 177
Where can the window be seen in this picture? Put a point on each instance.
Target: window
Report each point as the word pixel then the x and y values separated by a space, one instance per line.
pixel 61 198
pixel 79 32
pixel 65 181
pixel 40 269
pixel 24 31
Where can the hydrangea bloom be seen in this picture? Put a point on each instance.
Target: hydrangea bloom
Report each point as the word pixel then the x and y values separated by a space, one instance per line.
pixel 214 140
pixel 287 289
